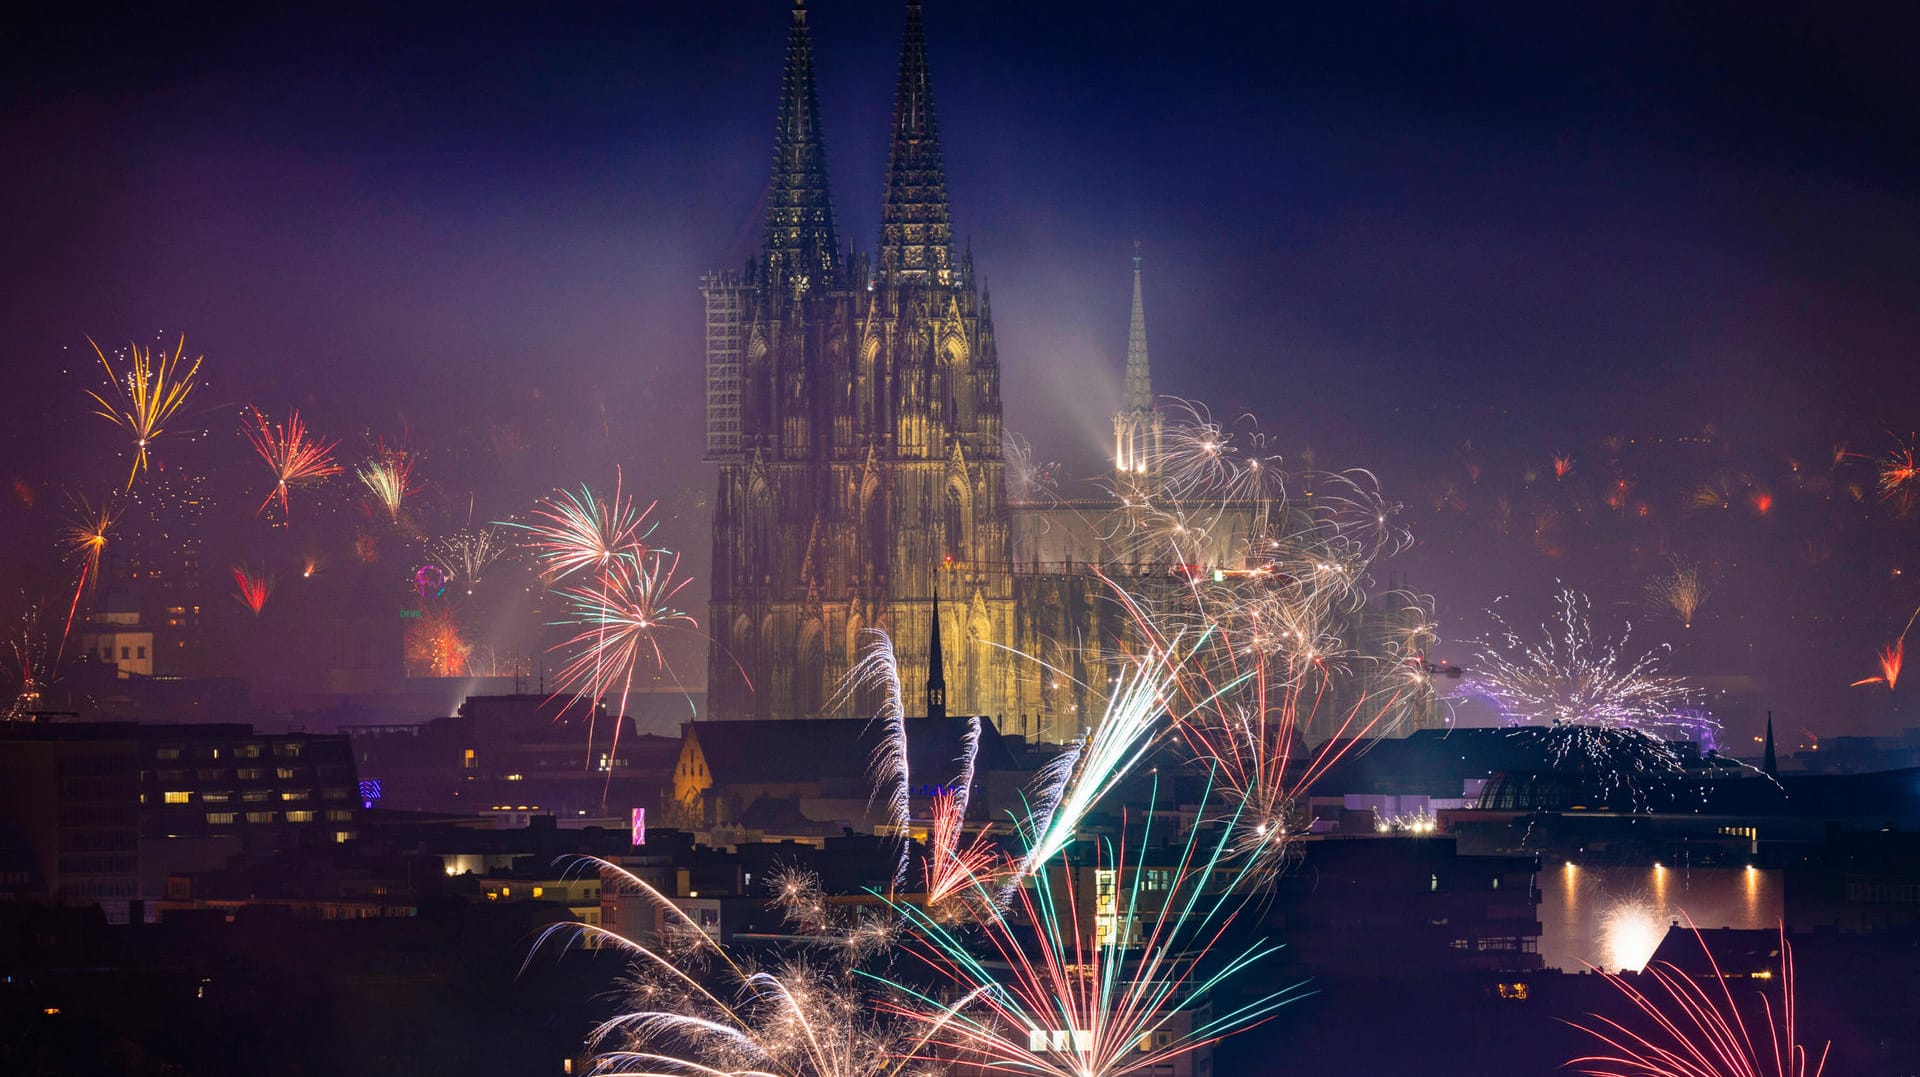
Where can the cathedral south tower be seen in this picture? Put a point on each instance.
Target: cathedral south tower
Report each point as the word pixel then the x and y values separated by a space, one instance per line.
pixel 853 411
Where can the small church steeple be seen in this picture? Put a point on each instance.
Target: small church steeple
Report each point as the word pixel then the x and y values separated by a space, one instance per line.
pixel 936 662
pixel 1771 762
pixel 800 238
pixel 916 232
pixel 1136 428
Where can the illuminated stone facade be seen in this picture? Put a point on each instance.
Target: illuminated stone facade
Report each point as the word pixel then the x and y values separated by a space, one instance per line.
pixel 854 413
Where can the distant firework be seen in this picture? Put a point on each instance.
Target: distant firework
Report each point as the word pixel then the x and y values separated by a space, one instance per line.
pixel 85 537
pixel 1891 658
pixel 1028 479
pixel 1690 1026
pixel 252 589
pixel 470 552
pixel 577 533
pixel 1584 703
pixel 146 396
pixel 294 457
pixel 27 661
pixel 436 645
pixel 389 478
pixel 1900 477
pixel 1679 592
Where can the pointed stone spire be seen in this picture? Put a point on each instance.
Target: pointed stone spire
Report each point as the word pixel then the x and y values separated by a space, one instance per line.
pixel 936 661
pixel 1137 426
pixel 1771 764
pixel 916 235
pixel 1139 394
pixel 800 237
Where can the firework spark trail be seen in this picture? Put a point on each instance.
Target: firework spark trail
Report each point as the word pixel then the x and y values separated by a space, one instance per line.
pixel 294 458
pixel 1027 479
pixel 950 867
pixel 585 533
pixel 1891 657
pixel 1583 702
pixel 624 606
pixel 27 651
pixel 798 1019
pixel 85 537
pixel 1698 1030
pixel 1260 681
pixel 578 533
pixel 469 552
pixel 878 672
pixel 1113 996
pixel 1127 732
pixel 389 478
pixel 1679 591
pixel 252 589
pixel 146 397
pixel 1899 477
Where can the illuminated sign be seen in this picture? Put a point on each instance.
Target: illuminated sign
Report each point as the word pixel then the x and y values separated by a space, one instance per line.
pixel 409 613
pixel 639 826
pixel 369 791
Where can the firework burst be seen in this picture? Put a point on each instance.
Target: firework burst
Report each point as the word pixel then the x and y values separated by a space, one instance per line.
pixel 1697 1029
pixel 27 661
pixel 1679 592
pixel 293 456
pixel 798 1018
pixel 85 538
pixel 146 396
pixel 877 673
pixel 578 533
pixel 1891 658
pixel 388 478
pixel 1028 479
pixel 437 645
pixel 1899 477
pixel 1584 701
pixel 252 589
pixel 1121 999
pixel 470 552
pixel 621 612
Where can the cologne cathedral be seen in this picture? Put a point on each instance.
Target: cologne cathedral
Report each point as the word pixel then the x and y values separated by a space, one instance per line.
pixel 853 410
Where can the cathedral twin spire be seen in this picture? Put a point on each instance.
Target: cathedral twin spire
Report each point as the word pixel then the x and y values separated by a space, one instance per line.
pixel 800 241
pixel 916 232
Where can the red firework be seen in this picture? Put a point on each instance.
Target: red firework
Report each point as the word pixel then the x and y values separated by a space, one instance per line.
pixel 294 457
pixel 252 589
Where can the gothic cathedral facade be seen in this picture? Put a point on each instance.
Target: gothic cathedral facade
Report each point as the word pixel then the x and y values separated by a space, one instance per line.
pixel 853 411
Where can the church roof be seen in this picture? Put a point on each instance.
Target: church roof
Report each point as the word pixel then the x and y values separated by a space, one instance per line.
pixel 780 750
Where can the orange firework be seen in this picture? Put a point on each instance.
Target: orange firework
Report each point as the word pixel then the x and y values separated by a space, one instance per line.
pixel 86 539
pixel 435 645
pixel 251 589
pixel 1562 466
pixel 294 458
pixel 146 397
pixel 1762 501
pixel 1890 658
pixel 1900 477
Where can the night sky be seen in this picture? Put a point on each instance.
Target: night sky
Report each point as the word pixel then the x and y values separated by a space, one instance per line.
pixel 1442 242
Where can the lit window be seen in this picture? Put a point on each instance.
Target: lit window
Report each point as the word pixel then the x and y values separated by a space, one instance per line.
pixel 220 818
pixel 342 836
pixel 173 796
pixel 338 816
pixel 299 817
pixel 167 753
pixel 255 796
pixel 216 798
pixel 295 794
pixel 283 773
pixel 539 891
pixel 252 774
pixel 259 817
